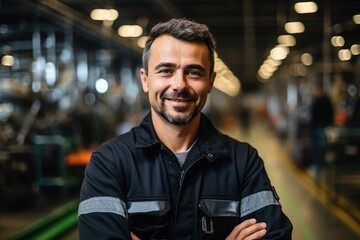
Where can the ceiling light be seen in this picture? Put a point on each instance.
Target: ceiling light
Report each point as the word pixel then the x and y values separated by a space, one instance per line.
pixel 294 27
pixel 344 54
pixel 306 59
pixel 130 31
pixel 268 68
pixel 279 52
pixel 101 85
pixel 305 7
pixel 356 19
pixel 355 49
pixel 337 41
pixel 264 76
pixel 272 62
pixel 7 60
pixel 230 86
pixel 287 40
pixel 225 80
pixel 104 14
pixel 141 41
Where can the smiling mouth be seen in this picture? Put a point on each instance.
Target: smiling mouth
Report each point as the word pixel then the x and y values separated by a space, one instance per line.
pixel 183 97
pixel 179 99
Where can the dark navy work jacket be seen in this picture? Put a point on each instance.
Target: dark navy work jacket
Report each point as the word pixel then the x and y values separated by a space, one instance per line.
pixel 135 183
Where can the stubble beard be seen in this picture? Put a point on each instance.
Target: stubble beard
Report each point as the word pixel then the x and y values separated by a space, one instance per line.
pixel 181 115
pixel 178 120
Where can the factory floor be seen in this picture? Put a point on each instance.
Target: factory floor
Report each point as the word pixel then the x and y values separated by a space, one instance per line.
pixel 313 212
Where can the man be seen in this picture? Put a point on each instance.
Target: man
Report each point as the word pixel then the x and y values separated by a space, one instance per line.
pixel 322 116
pixel 176 176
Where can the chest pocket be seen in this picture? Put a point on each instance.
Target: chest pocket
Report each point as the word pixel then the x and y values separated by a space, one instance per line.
pixel 218 217
pixel 149 218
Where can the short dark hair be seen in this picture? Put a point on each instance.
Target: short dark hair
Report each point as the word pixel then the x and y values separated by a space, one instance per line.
pixel 182 29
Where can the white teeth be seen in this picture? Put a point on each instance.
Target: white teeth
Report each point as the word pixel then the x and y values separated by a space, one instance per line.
pixel 178 100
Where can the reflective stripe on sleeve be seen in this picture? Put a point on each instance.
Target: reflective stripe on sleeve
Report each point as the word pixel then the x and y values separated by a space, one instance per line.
pixel 102 205
pixel 257 201
pixel 147 206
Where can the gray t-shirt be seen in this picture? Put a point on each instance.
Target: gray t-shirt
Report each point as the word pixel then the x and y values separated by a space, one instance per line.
pixel 181 156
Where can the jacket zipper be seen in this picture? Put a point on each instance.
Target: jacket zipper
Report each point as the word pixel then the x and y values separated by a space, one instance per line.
pixel 183 172
pixel 182 177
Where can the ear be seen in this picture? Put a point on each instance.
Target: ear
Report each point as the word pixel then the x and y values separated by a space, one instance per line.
pixel 144 82
pixel 212 80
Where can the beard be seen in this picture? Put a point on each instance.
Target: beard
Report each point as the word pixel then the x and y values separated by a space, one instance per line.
pixel 183 115
pixel 180 119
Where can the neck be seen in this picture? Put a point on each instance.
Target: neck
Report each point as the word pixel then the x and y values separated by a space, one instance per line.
pixel 178 138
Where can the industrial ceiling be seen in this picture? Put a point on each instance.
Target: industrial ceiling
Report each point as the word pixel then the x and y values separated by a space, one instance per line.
pixel 245 30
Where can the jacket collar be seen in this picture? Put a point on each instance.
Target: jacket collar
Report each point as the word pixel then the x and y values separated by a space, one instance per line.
pixel 210 141
pixel 145 133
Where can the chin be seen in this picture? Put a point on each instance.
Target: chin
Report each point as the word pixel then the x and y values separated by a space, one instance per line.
pixel 180 119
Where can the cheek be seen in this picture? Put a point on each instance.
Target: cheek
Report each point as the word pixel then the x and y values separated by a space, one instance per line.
pixel 202 90
pixel 159 85
pixel 156 87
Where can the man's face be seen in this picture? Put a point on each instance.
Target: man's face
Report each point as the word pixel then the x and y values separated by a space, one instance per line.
pixel 178 78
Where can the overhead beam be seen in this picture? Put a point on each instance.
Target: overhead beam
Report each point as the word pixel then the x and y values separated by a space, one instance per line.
pixel 61 12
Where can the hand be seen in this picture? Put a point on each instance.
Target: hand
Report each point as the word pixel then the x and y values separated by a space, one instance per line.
pixel 248 230
pixel 134 237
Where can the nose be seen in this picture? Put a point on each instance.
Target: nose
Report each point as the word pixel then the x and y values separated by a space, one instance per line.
pixel 179 82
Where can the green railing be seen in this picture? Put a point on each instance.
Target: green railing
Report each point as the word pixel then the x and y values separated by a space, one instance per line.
pixel 52 226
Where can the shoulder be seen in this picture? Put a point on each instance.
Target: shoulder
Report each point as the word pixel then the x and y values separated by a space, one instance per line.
pixel 118 143
pixel 244 150
pixel 209 135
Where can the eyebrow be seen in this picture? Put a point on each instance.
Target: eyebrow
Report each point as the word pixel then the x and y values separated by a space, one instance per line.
pixel 164 64
pixel 190 66
pixel 196 66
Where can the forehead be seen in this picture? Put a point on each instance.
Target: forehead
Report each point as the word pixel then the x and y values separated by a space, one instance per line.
pixel 168 47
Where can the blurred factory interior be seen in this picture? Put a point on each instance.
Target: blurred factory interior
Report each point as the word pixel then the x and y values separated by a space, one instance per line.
pixel 69 80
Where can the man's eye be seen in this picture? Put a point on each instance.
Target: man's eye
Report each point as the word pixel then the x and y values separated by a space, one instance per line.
pixel 165 71
pixel 194 73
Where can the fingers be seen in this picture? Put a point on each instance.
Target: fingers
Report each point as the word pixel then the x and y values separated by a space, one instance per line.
pixel 259 234
pixel 133 236
pixel 248 230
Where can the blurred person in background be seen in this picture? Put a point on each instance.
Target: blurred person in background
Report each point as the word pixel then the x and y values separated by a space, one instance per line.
pixel 175 176
pixel 322 116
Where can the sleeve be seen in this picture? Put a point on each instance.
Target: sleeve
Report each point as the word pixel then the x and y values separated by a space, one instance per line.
pixel 102 212
pixel 260 200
